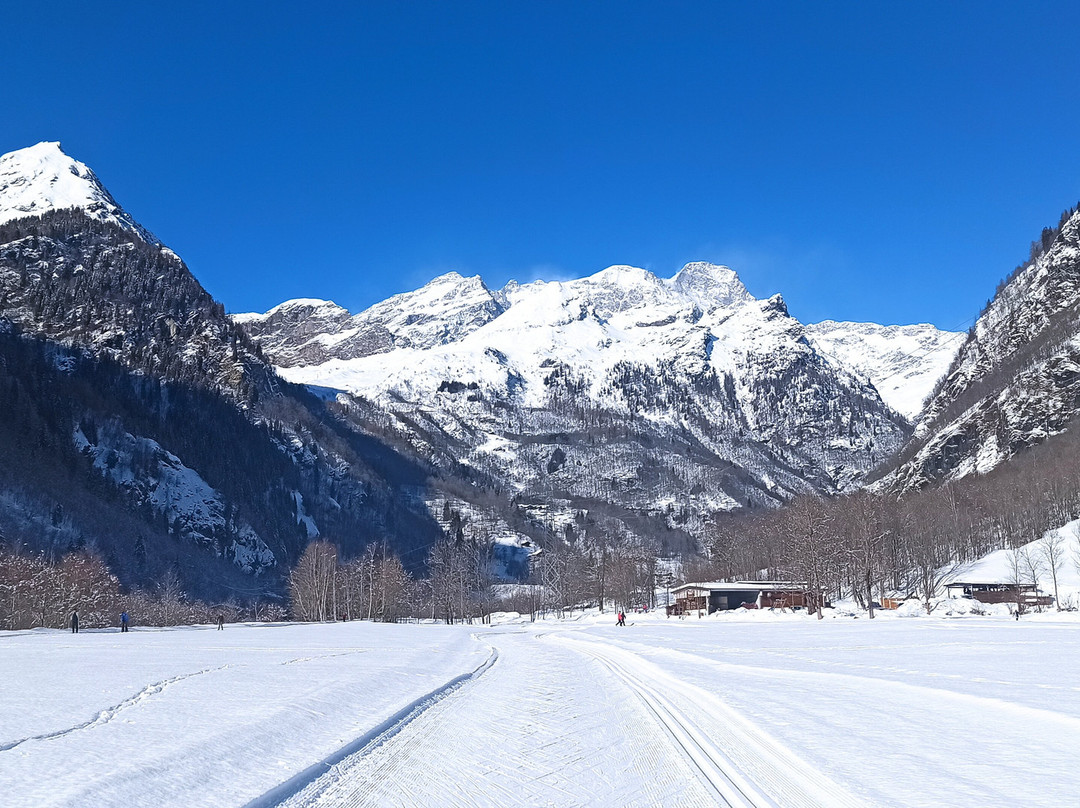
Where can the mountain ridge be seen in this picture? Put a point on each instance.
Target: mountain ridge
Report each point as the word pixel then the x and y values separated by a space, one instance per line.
pixel 693 362
pixel 1015 380
pixel 864 349
pixel 112 352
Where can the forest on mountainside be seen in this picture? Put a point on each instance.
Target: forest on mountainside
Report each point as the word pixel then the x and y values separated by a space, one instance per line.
pixel 140 416
pixel 1013 382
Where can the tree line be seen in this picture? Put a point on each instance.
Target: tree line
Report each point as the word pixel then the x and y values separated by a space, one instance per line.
pixel 377 586
pixel 36 592
pixel 461 585
pixel 870 544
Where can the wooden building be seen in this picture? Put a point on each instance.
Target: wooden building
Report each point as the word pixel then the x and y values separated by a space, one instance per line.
pixel 998 592
pixel 718 596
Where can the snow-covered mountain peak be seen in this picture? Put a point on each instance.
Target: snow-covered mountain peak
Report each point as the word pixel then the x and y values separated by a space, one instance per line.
pixel 616 289
pixel 449 279
pixel 1013 382
pixel 903 362
pixel 43 178
pixel 775 305
pixel 442 310
pixel 711 286
pixel 295 310
pixel 449 289
pixel 621 275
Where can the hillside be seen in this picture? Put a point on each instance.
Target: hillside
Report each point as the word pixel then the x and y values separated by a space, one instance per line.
pixel 1015 381
pixel 143 425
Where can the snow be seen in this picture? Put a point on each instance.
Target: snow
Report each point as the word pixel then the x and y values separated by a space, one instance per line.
pixel 309 306
pixel 149 474
pixel 303 517
pixel 42 178
pixel 998 565
pixel 443 310
pixel 200 717
pixel 492 379
pixel 903 362
pixel 619 315
pixel 710 285
pixel 1015 374
pixel 751 708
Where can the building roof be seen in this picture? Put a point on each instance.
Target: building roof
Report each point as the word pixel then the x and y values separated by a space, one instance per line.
pixel 989 583
pixel 743 586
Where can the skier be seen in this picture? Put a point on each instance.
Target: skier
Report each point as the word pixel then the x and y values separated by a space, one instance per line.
pixel 220 622
pixel 621 620
pixel 123 622
pixel 74 622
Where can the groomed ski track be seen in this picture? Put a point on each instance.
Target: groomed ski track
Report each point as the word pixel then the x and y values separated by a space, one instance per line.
pixel 561 719
pixel 747 709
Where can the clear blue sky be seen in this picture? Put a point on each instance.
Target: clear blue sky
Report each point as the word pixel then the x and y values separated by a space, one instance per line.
pixel 870 161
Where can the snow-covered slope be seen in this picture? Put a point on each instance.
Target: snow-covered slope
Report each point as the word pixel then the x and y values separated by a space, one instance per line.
pixel 309 332
pixel 676 396
pixel 1031 564
pixel 1016 379
pixel 903 362
pixel 981 709
pixel 156 479
pixel 41 178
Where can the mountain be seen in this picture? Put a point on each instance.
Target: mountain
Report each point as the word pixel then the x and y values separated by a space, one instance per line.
pixel 311 332
pixel 142 423
pixel 1015 380
pixel 646 402
pixel 41 178
pixel 903 362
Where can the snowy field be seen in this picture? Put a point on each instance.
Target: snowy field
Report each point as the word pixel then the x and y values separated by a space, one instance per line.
pixel 741 709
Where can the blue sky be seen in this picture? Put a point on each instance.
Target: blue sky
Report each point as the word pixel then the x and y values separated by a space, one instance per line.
pixel 886 162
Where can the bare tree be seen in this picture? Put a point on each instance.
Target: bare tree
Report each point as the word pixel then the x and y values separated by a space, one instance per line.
pixel 311 583
pixel 810 546
pixel 925 551
pixel 1017 570
pixel 171 598
pixel 864 528
pixel 1052 548
pixel 394 585
pixel 1032 561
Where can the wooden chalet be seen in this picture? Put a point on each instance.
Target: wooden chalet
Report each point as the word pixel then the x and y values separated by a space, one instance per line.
pixel 721 596
pixel 998 592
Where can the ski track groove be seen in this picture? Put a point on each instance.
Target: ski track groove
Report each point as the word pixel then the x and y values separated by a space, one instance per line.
pixel 306 787
pixel 709 763
pixel 109 713
pixel 533 769
pixel 701 731
pixel 319 657
pixel 776 769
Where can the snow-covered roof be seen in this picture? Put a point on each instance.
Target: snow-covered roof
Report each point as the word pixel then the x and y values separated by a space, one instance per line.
pixel 952 584
pixel 743 586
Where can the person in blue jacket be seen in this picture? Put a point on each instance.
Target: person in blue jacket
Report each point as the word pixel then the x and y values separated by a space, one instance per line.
pixel 123 622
